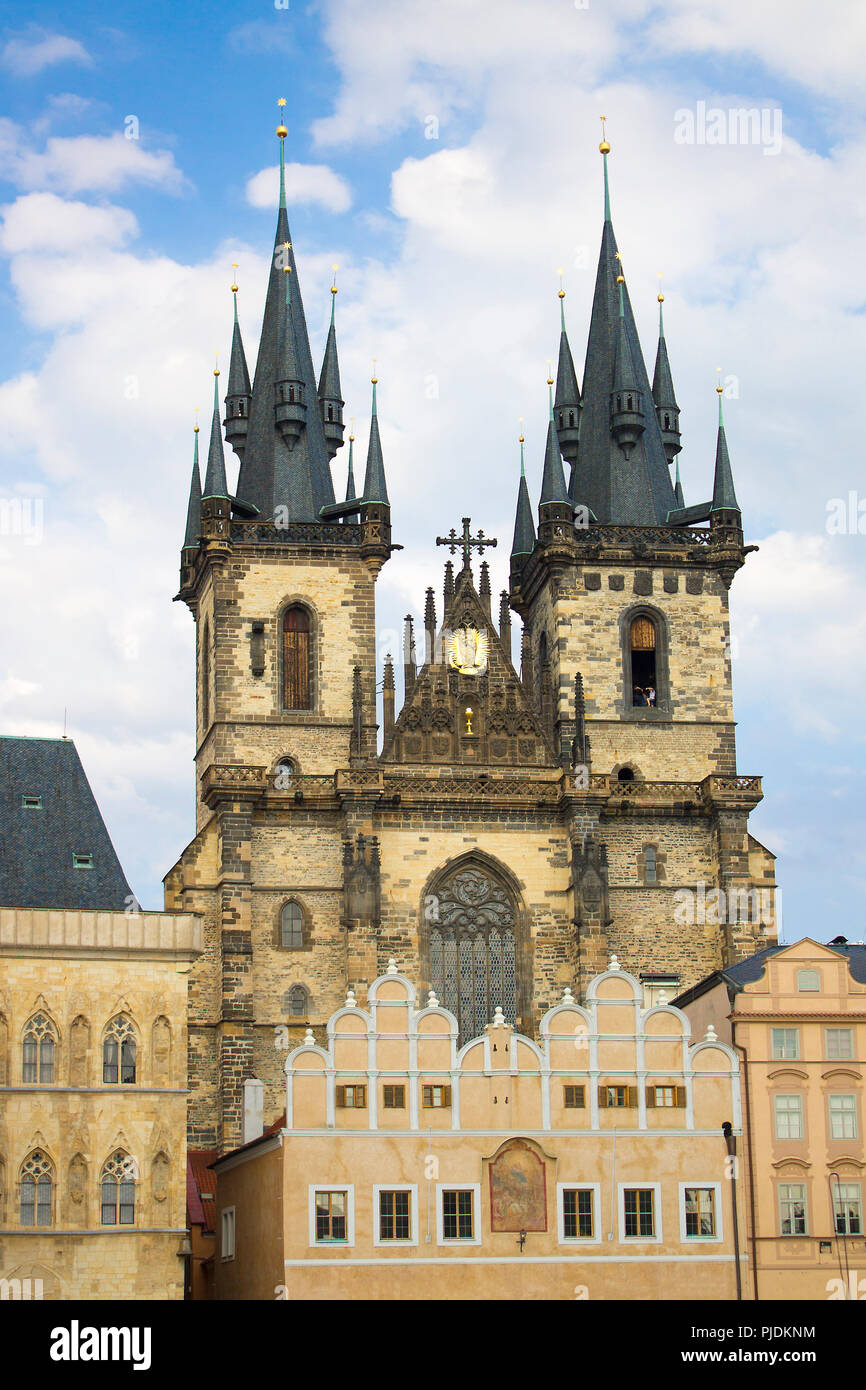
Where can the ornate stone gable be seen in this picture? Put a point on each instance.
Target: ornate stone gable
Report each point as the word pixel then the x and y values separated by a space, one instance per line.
pixel 468 706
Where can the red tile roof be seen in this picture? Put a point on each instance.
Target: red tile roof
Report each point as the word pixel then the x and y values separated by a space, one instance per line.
pixel 201 1180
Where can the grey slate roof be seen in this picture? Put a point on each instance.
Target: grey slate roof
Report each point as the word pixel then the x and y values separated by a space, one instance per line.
pixel 36 846
pixel 636 491
pixel 724 497
pixel 553 487
pixel 375 487
pixel 524 527
pixel 239 377
pixel 329 379
pixel 193 511
pixel 567 389
pixel 663 382
pixel 350 476
pixel 748 971
pixel 271 475
pixel 215 484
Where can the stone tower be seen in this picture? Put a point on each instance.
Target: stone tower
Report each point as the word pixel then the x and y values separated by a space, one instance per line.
pixel 515 828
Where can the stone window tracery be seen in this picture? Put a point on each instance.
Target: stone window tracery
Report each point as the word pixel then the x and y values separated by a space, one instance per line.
pixel 119 1051
pixel 37 1057
pixel 37 1190
pixel 473 948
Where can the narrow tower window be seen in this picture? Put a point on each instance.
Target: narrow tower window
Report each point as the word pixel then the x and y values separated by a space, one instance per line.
pixel 292 927
pixel 37 1190
pixel 296 659
pixel 642 641
pixel 205 676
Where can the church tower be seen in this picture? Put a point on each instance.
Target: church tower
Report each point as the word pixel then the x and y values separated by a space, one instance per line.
pixel 628 605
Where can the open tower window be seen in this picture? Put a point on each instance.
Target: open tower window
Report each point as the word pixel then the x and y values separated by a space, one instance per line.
pixel 644 678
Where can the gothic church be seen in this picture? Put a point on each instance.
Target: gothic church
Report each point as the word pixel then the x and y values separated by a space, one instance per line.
pixel 509 831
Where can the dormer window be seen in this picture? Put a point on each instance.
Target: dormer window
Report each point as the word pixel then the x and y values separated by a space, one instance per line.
pixel 330 412
pixel 82 861
pixel 31 803
pixel 808 982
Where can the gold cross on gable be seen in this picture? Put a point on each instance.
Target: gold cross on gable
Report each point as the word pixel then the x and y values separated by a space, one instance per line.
pixel 467 542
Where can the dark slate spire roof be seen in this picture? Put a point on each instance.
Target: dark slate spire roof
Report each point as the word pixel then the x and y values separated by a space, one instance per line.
pixel 239 377
pixel 663 382
pixel 724 497
pixel 350 480
pixel 524 527
pixel 329 379
pixel 37 845
pixel 634 491
pixel 270 474
pixel 193 511
pixel 215 484
pixel 553 487
pixel 375 487
pixel 567 389
pixel 678 489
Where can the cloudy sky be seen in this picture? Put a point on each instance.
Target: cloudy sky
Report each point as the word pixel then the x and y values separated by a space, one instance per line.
pixel 446 158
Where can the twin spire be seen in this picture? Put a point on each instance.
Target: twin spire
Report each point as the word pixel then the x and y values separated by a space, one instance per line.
pixel 620 436
pixel 285 427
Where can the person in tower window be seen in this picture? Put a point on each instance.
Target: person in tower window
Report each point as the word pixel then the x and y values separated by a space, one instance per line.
pixel 639 696
pixel 650 695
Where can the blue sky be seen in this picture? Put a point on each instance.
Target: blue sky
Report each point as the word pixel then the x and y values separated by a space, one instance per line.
pixel 116 262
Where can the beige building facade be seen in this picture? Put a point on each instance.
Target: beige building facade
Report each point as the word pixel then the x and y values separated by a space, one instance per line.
pixel 589 1164
pixel 796 1015
pixel 93 1080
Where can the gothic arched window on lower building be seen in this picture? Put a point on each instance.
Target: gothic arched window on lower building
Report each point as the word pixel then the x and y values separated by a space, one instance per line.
pixel 38 1051
pixel 37 1190
pixel 297 659
pixel 297 1002
pixel 292 927
pixel 473 947
pixel 119 1053
pixel 117 1188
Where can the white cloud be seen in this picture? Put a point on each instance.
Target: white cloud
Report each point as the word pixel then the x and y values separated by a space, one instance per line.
pixel 305 184
pixel 31 223
pixel 38 49
pixel 85 163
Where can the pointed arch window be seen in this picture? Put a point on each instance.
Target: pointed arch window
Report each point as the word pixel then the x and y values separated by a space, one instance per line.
pixel 297 1002
pixel 38 1051
pixel 473 948
pixel 119 1052
pixel 642 646
pixel 118 1190
pixel 292 927
pixel 297 659
pixel 37 1190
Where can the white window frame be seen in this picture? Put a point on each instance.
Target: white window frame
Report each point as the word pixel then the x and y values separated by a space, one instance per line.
pixel 575 1186
pixel 441 1238
pixel 716 1188
pixel 227 1254
pixel 793 1235
pixel 788 1095
pixel 783 1056
pixel 839 1057
pixel 349 1190
pixel 656 1189
pixel 410 1187
pixel 859 1189
pixel 854 1112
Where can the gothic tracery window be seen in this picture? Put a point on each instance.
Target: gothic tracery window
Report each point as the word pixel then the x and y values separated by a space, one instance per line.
pixel 37 1053
pixel 37 1186
pixel 118 1190
pixel 119 1053
pixel 473 948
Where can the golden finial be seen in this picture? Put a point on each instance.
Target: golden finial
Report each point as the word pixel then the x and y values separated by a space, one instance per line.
pixel 195 426
pixel 549 372
pixel 520 422
pixel 720 388
pixel 620 279
pixel 561 290
pixel 216 370
pixel 604 146
pixel 281 129
pixel 374 379
pixel 234 278
pixel 660 296
pixel 334 286
pixel 352 429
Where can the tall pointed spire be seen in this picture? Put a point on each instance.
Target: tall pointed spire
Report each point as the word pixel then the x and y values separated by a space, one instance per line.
pixel 282 468
pixel 524 527
pixel 566 403
pixel 375 487
pixel 724 497
pixel 553 487
pixel 637 490
pixel 626 401
pixel 193 511
pixel 215 484
pixel 239 392
pixel 330 400
pixel 350 480
pixel 678 489
pixel 667 410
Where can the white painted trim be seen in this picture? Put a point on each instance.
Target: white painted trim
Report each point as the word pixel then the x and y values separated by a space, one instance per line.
pixel 595 1189
pixel 349 1190
pixel 656 1189
pixel 717 1211
pixel 585 1259
pixel 475 1189
pixel 410 1187
pixel 225 1256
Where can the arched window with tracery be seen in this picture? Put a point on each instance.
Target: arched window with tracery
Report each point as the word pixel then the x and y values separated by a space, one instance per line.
pixel 37 1051
pixel 37 1190
pixel 118 1190
pixel 473 924
pixel 297 659
pixel 297 1002
pixel 119 1052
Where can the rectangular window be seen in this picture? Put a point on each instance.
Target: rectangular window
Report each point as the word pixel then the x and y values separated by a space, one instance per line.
pixel 639 1212
pixel 227 1242
pixel 394 1097
pixel 29 1069
pixel 126 1214
pixel 788 1112
pixel 617 1097
pixel 839 1044
pixel 843 1117
pixel 395 1215
pixel 436 1097
pixel 666 1097
pixel 700 1210
pixel 792 1208
pixel 82 861
pixel 785 1044
pixel 31 803
pixel 848 1209
pixel 351 1097
pixel 577 1213
pixel 574 1097
pixel 457 1217
pixel 330 1216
